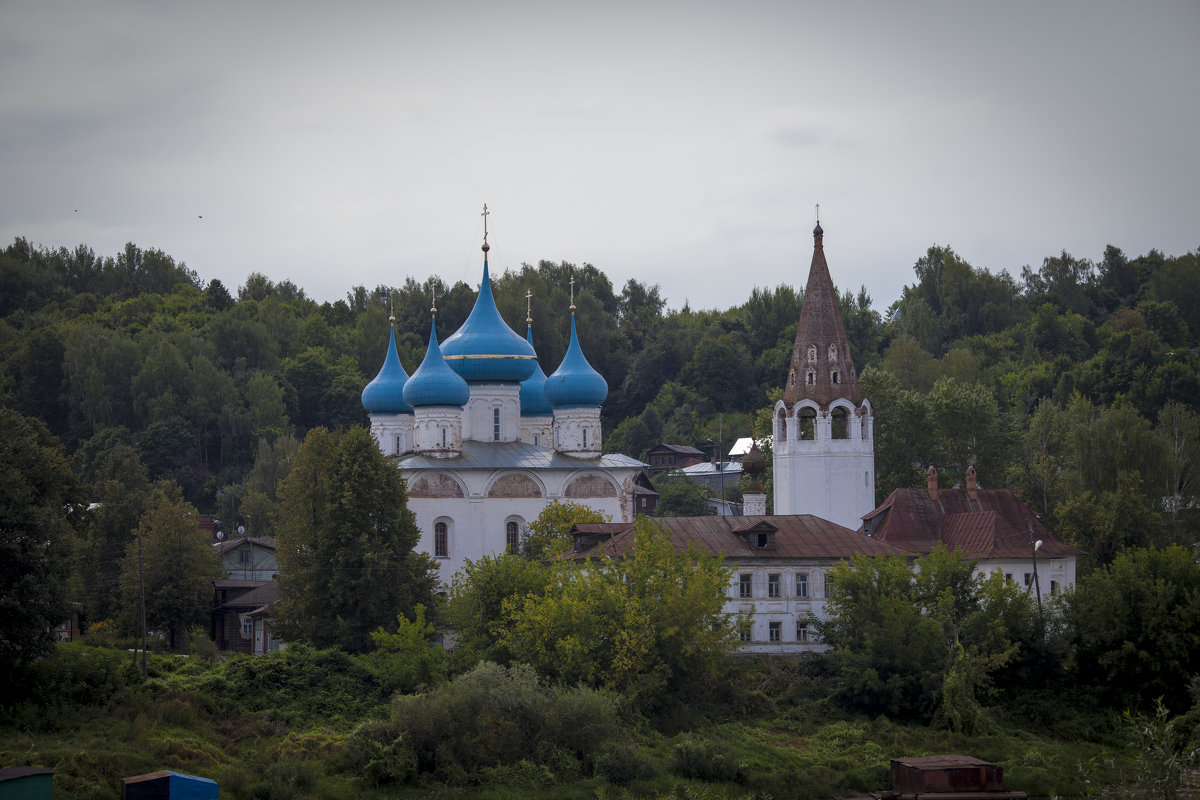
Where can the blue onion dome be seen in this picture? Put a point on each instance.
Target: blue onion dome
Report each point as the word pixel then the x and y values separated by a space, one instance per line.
pixel 385 394
pixel 533 388
pixel 434 383
pixel 485 349
pixel 575 384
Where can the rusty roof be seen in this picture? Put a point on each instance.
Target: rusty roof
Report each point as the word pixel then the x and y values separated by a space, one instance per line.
pixel 797 536
pixel 992 524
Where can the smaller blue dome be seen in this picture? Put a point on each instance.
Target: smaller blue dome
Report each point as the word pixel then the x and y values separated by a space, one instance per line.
pixel 385 394
pixel 575 384
pixel 533 388
pixel 434 383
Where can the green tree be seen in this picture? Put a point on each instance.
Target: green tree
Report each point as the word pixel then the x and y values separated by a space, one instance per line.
pixel 476 606
pixel 550 533
pixel 680 497
pixel 1105 522
pixel 173 563
pixel 640 623
pixel 38 498
pixel 1136 626
pixel 346 540
pixel 121 490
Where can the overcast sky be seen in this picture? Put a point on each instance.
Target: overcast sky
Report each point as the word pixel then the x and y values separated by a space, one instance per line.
pixel 682 144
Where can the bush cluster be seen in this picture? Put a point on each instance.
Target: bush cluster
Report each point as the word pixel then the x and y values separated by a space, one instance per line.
pixel 490 724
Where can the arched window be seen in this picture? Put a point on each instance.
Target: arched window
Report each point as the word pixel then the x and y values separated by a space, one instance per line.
pixel 808 424
pixel 443 438
pixel 535 440
pixel 397 444
pixel 585 438
pixel 512 537
pixel 782 425
pixel 833 352
pixel 811 377
pixel 441 540
pixel 841 424
pixel 833 376
pixel 791 377
pixel 812 354
pixel 495 424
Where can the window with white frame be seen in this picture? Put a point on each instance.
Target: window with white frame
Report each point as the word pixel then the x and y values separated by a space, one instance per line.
pixel 802 632
pixel 775 631
pixel 773 585
pixel 745 585
pixel 801 584
pixel 745 635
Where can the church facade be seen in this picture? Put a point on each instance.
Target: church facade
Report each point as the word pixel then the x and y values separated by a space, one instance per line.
pixel 486 440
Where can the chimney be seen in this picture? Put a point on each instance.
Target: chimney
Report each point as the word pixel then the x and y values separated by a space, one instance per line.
pixel 972 483
pixel 931 478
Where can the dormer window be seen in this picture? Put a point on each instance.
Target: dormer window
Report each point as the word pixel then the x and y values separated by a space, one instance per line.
pixel 758 535
pixel 762 540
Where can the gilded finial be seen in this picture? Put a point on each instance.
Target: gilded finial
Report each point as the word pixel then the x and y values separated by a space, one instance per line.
pixel 528 307
pixel 392 310
pixel 433 298
pixel 486 247
pixel 818 213
pixel 572 294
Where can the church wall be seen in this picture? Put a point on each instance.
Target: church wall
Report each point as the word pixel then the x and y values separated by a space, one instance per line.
pixel 538 431
pixel 835 482
pixel 393 432
pixel 479 421
pixel 478 524
pixel 577 431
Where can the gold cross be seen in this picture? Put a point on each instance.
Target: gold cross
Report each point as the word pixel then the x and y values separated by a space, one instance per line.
pixel 433 295
pixel 818 214
pixel 485 216
pixel 528 307
pixel 572 292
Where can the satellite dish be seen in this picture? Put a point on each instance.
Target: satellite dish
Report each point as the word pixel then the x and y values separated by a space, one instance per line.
pixel 220 535
pixel 241 530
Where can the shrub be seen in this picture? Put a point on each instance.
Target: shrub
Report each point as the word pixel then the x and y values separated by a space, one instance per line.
pixel 707 760
pixel 487 718
pixel 622 764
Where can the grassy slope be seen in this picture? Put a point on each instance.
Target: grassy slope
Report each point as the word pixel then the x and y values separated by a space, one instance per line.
pixel 271 729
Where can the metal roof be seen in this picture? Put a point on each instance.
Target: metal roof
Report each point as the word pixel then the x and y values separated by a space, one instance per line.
pixel 797 536
pixel 515 455
pixel 992 524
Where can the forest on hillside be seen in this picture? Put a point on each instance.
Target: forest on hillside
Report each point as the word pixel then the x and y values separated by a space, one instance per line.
pixel 1076 382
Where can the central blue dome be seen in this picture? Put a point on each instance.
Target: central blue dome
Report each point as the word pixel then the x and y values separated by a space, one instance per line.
pixel 434 383
pixel 485 349
pixel 575 384
pixel 533 388
pixel 385 394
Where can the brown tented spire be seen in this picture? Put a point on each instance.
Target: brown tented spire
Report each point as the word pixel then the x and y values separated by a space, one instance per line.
pixel 821 369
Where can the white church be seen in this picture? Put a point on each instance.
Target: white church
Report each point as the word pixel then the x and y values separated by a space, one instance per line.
pixel 486 440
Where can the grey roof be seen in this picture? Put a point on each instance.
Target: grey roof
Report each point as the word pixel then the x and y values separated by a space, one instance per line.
pixel 259 541
pixel 709 468
pixel 515 455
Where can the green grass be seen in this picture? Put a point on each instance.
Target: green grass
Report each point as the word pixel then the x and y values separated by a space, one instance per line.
pixel 281 728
